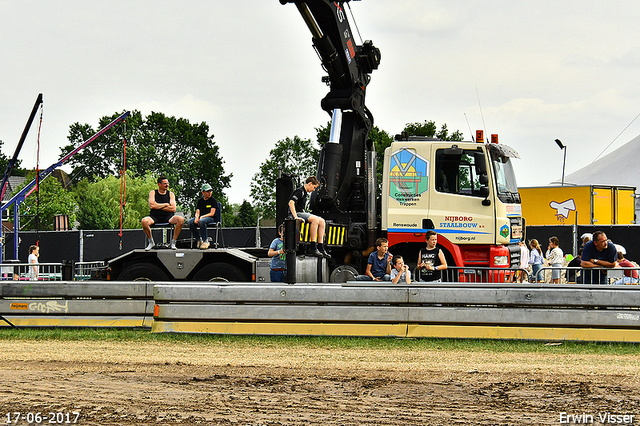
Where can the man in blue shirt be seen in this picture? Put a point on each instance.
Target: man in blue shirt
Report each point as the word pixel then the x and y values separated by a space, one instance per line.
pixel 597 253
pixel 379 263
pixel 278 257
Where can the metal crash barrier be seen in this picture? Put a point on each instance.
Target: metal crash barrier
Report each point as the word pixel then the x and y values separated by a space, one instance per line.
pixel 75 304
pixel 452 310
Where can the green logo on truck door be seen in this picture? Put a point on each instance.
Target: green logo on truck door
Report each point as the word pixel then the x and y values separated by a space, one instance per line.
pixel 408 176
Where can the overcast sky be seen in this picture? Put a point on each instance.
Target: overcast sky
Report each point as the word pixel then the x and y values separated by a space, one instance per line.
pixel 530 71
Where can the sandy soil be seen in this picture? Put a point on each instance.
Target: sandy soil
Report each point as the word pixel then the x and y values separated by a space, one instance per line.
pixel 221 383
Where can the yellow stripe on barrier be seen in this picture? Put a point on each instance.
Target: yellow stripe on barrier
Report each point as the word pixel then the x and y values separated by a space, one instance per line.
pixel 524 333
pixel 78 322
pixel 309 329
pixel 401 330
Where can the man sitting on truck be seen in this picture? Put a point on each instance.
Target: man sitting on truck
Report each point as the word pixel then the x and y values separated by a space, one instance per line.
pixel 295 209
pixel 162 204
pixel 205 212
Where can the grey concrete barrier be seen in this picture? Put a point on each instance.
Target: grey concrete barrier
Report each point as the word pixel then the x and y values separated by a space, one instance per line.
pixel 76 304
pixel 577 312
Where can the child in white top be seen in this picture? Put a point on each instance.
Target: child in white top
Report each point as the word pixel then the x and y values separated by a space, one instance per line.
pixel 400 272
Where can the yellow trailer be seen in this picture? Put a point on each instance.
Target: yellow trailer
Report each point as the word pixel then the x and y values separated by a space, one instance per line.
pixel 581 205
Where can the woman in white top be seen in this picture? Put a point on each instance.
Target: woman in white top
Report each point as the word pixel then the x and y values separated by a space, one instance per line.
pixel 34 253
pixel 555 257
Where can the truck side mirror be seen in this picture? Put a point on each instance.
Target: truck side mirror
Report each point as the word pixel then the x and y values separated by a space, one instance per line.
pixel 481 165
pixel 484 191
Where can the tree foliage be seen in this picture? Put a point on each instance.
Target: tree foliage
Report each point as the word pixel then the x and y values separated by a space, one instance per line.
pixel 294 156
pixel 99 201
pixel 247 216
pixel 4 162
pixel 155 145
pixel 51 200
pixel 429 129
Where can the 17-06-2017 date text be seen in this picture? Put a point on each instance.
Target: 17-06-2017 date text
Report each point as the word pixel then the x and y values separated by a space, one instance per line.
pixel 36 418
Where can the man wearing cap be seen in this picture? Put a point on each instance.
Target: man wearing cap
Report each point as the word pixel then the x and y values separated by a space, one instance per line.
pixel 205 210
pixel 598 253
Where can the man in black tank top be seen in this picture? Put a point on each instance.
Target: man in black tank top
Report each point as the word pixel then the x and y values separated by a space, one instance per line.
pixel 431 260
pixel 162 204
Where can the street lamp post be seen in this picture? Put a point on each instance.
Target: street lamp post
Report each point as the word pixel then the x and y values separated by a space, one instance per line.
pixel 564 161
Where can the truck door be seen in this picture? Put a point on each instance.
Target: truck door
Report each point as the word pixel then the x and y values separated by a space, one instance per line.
pixel 460 185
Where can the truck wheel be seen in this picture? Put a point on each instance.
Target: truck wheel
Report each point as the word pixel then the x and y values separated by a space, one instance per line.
pixel 143 272
pixel 219 271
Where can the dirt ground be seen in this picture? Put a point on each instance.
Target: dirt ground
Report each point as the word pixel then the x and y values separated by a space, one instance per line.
pixel 159 383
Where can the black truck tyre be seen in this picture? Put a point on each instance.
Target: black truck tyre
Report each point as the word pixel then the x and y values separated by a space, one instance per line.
pixel 143 272
pixel 219 271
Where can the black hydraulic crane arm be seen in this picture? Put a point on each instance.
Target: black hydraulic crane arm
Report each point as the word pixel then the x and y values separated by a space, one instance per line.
pixel 344 190
pixel 348 65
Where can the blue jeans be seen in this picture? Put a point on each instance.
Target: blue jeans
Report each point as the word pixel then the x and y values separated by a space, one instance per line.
pixel 200 233
pixel 276 276
pixel 385 277
pixel 535 267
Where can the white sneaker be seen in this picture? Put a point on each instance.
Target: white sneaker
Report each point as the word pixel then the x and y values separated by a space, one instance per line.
pixel 199 243
pixel 151 245
pixel 173 245
pixel 204 246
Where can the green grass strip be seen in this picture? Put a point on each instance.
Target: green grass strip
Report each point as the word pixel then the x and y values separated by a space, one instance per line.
pixel 427 344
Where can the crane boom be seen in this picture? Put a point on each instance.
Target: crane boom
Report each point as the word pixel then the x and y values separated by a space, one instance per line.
pixel 346 169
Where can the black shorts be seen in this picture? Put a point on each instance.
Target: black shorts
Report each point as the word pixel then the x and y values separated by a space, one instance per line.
pixel 161 217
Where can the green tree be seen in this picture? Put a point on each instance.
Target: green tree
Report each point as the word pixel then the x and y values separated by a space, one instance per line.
pixel 52 200
pixel 155 145
pixel 294 156
pixel 4 162
pixel 429 129
pixel 99 201
pixel 247 216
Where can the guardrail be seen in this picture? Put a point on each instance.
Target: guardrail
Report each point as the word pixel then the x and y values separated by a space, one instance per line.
pixel 47 271
pixel 83 269
pixel 511 311
pixel 76 304
pixel 578 275
pixel 31 271
pixel 567 275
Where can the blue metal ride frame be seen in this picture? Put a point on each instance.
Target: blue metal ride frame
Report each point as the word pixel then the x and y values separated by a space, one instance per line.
pixel 19 198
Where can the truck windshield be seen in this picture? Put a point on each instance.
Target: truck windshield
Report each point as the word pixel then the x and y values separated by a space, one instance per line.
pixel 505 178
